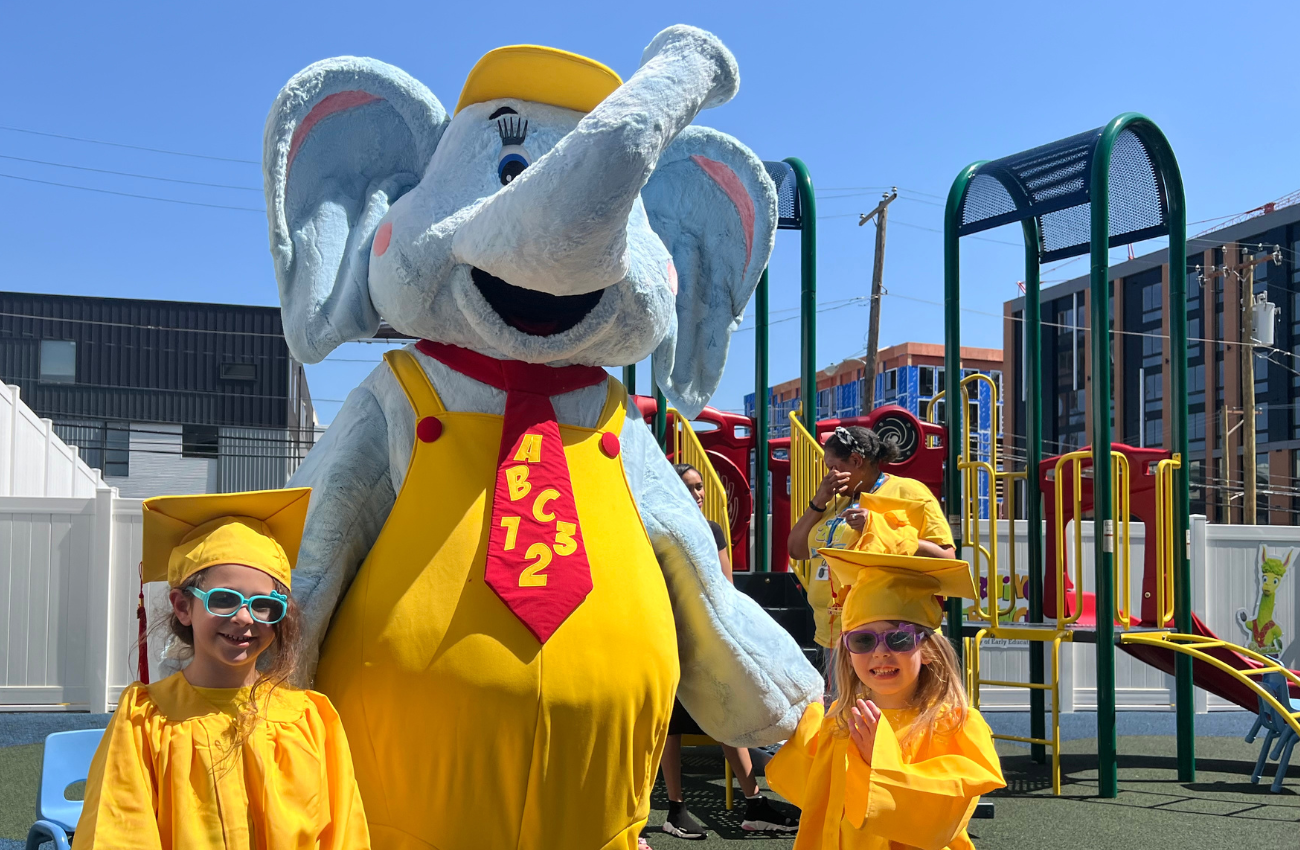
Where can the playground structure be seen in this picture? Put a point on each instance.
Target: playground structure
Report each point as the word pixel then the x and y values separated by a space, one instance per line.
pixel 1114 185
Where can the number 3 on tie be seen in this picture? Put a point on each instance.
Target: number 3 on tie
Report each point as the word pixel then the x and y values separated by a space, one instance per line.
pixel 532 574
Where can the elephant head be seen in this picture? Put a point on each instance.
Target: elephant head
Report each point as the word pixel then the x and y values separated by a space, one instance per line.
pixel 560 217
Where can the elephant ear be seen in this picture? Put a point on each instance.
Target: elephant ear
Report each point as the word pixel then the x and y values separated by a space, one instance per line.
pixel 713 205
pixel 345 138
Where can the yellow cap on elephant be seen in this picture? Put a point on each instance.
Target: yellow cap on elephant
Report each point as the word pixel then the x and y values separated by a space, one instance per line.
pixel 539 74
pixel 185 534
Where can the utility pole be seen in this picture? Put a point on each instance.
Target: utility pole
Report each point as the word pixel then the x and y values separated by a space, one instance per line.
pixel 1248 465
pixel 1248 504
pixel 881 214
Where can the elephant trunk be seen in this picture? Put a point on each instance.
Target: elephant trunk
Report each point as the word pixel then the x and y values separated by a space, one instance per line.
pixel 561 226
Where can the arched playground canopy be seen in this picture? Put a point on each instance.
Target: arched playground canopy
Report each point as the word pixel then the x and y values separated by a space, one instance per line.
pixel 1084 194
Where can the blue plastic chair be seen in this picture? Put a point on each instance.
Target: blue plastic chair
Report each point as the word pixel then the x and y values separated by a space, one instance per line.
pixel 67 760
pixel 1280 738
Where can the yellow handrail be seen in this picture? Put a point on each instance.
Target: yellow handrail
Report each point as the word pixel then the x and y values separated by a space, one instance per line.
pixel 1194 645
pixel 1165 538
pixel 1121 566
pixel 1121 559
pixel 971 530
pixel 1062 566
pixel 1010 478
pixel 687 449
pixel 807 469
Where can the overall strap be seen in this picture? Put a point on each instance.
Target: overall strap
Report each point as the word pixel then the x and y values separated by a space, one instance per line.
pixel 415 383
pixel 616 401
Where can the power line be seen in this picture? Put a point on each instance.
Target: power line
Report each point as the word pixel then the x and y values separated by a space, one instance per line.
pixel 132 147
pixel 131 195
pixel 130 174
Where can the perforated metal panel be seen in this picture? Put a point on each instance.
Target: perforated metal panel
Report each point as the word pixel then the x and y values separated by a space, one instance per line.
pixel 1053 183
pixel 789 215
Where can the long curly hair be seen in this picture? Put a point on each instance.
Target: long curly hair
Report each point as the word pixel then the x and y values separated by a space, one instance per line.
pixel 940 696
pixel 276 664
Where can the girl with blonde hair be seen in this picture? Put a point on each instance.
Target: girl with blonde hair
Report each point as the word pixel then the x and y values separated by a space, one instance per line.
pixel 900 756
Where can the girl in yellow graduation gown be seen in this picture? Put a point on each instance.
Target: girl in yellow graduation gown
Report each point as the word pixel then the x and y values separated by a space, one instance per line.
pixel 900 759
pixel 221 755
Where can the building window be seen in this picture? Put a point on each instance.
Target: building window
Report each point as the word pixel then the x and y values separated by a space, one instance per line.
pixel 117 449
pixel 199 441
pixel 1196 486
pixel 925 381
pixel 238 371
pixel 58 361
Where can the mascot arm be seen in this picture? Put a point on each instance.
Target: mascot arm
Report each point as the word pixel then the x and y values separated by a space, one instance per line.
pixel 349 472
pixel 744 679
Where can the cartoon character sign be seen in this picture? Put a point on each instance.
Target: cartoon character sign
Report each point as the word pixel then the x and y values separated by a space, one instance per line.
pixel 1262 633
pixel 504 578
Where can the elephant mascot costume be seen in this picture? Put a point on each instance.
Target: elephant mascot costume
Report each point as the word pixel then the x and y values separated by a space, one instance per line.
pixel 502 579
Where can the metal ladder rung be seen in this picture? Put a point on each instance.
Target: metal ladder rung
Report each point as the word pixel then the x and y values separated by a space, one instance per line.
pixel 1042 741
pixel 1260 671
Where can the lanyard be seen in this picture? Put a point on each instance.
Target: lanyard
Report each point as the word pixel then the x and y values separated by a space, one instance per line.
pixel 880 479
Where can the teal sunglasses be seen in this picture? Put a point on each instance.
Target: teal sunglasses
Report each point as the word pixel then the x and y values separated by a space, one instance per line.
pixel 224 602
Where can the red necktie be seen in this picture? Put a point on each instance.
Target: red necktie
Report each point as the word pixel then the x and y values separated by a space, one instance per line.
pixel 536 560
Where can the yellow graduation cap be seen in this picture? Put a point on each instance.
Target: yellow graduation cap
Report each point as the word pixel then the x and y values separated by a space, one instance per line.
pixel 540 74
pixel 185 534
pixel 896 587
pixel 893 525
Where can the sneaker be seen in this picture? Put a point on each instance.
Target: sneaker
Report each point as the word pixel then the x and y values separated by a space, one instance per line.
pixel 681 825
pixel 762 816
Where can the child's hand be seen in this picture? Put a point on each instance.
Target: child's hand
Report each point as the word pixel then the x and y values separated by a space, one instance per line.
pixel 862 727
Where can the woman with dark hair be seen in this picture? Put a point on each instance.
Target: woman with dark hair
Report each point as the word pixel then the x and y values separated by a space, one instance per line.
pixel 834 520
pixel 760 814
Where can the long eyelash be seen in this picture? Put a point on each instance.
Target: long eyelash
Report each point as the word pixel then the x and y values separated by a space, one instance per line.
pixel 511 131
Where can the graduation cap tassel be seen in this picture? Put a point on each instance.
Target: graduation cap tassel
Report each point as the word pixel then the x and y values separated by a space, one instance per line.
pixel 143 643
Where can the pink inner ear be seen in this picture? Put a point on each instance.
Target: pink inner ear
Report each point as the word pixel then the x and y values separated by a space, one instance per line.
pixel 328 106
pixel 730 184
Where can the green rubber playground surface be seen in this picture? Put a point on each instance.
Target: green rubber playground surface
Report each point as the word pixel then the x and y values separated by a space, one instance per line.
pixel 1153 812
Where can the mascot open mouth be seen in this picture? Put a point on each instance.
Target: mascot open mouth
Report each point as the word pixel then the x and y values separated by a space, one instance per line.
pixel 532 312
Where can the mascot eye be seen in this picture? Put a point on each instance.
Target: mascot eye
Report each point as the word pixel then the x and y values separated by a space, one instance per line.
pixel 513 161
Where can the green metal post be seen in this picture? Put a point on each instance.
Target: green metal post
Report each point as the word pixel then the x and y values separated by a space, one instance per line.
pixel 661 412
pixel 762 556
pixel 629 378
pixel 1178 442
pixel 1103 512
pixel 1031 320
pixel 808 292
pixel 952 406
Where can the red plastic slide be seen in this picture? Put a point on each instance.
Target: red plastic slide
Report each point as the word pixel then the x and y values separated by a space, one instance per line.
pixel 1205 676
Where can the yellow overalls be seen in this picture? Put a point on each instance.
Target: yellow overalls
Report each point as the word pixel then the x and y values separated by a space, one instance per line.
pixel 466 733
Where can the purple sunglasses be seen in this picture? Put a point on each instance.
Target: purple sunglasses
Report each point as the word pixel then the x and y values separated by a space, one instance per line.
pixel 904 638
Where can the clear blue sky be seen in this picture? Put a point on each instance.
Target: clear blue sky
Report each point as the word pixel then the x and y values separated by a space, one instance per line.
pixel 868 94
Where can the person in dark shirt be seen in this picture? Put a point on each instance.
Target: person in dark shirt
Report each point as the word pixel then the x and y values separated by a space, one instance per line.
pixel 760 814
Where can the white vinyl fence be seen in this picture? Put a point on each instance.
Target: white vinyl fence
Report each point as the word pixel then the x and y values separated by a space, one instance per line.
pixel 1226 584
pixel 33 460
pixel 69 584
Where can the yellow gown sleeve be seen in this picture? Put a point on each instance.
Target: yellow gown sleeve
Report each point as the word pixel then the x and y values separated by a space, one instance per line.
pixel 788 771
pixel 348 829
pixel 927 801
pixel 121 791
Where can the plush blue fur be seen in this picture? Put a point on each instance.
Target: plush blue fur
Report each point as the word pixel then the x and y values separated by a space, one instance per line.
pixel 609 198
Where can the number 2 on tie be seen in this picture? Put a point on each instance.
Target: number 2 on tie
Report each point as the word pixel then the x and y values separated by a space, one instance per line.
pixel 532 574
